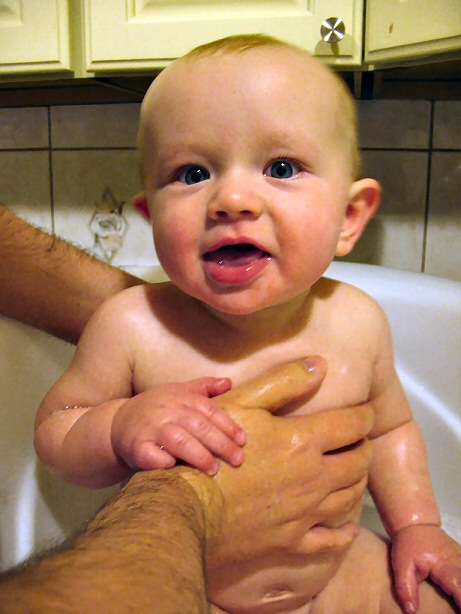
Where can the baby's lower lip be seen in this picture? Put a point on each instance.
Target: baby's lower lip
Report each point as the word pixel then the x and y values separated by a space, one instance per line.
pixel 235 264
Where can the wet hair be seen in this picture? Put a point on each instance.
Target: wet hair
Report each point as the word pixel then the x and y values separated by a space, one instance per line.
pixel 346 116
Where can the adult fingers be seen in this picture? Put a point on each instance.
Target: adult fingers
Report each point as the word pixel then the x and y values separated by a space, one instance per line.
pixel 335 428
pixel 277 386
pixel 320 539
pixel 349 466
pixel 337 506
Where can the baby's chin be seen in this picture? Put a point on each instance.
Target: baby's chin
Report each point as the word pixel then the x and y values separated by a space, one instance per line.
pixel 236 307
pixel 241 300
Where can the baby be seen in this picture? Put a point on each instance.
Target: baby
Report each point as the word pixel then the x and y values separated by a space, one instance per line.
pixel 250 164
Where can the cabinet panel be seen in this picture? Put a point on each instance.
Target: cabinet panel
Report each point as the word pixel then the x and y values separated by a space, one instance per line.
pixel 34 36
pixel 398 30
pixel 146 34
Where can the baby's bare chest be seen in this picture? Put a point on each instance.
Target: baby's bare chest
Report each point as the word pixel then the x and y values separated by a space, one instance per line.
pixel 349 360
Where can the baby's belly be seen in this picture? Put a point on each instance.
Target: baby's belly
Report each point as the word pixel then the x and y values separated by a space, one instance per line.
pixel 274 585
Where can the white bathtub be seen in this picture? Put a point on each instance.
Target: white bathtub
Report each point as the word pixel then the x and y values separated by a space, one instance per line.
pixel 37 510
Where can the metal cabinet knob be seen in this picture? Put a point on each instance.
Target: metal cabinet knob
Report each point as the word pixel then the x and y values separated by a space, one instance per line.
pixel 333 30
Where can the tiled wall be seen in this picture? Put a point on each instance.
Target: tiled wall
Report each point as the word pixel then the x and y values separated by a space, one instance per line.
pixel 72 170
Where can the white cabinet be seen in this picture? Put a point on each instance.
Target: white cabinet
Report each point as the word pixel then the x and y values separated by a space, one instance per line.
pixel 124 36
pixel 397 30
pixel 145 34
pixel 34 36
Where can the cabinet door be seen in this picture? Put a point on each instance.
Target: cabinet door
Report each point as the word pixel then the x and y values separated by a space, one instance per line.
pixel 34 36
pixel 146 34
pixel 397 30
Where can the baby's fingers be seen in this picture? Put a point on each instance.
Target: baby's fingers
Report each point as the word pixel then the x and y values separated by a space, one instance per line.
pixel 197 441
pixel 220 419
pixel 448 576
pixel 147 455
pixel 406 584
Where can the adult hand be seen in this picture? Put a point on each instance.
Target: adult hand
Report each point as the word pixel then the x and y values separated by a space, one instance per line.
pixel 290 481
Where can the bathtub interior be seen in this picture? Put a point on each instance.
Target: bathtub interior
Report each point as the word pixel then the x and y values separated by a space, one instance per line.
pixel 38 510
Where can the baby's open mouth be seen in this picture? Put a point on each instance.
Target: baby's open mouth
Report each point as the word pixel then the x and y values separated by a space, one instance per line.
pixel 240 254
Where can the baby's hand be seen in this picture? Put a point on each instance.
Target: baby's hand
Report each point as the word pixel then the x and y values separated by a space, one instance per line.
pixel 425 551
pixel 154 428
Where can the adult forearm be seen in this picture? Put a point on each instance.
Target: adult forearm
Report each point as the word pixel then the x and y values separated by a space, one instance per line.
pixel 50 284
pixel 143 552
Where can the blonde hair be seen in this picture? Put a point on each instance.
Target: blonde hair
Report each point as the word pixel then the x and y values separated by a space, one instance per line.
pixel 240 43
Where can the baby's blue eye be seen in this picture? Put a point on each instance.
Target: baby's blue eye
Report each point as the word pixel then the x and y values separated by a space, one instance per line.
pixel 193 174
pixel 282 169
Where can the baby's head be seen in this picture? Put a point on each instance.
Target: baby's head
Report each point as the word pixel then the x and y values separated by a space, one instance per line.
pixel 320 78
pixel 250 160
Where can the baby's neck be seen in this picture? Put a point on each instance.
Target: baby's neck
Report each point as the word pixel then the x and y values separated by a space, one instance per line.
pixel 274 322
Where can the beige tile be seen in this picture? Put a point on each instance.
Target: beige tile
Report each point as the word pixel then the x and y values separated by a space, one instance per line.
pixel 80 180
pixel 23 128
pixel 443 244
pixel 447 125
pixel 104 125
pixel 25 185
pixel 394 123
pixel 395 237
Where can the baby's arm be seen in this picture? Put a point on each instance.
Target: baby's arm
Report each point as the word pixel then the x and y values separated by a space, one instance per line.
pixel 91 432
pixel 400 484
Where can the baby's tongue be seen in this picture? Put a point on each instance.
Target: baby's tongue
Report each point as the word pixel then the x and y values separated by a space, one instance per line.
pixel 235 255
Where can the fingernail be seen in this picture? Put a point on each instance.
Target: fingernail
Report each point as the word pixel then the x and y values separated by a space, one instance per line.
pixel 409 608
pixel 237 458
pixel 240 438
pixel 214 470
pixel 310 364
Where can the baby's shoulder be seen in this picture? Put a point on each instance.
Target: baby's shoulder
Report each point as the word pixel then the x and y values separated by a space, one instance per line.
pixel 133 307
pixel 132 326
pixel 349 304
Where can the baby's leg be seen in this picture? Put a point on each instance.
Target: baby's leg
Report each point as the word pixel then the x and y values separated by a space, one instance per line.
pixel 364 584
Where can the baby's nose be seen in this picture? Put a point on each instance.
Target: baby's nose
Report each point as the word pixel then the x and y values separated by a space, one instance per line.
pixel 232 202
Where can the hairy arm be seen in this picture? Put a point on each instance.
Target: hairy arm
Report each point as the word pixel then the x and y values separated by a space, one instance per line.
pixel 142 553
pixel 50 284
pixel 145 551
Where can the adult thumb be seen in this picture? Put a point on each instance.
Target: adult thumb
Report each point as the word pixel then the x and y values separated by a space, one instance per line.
pixel 278 386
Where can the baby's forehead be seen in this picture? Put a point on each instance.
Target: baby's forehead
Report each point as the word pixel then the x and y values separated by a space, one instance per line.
pixel 297 85
pixel 294 68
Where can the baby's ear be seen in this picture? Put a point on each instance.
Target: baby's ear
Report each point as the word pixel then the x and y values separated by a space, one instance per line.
pixel 140 205
pixel 364 198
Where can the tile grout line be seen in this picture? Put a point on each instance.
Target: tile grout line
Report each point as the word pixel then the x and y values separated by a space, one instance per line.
pixel 428 186
pixel 50 172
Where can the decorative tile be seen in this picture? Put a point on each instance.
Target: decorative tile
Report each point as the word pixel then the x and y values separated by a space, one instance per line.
pixel 23 128
pixel 103 125
pixel 443 244
pixel 400 124
pixel 25 185
pixel 395 237
pixel 92 193
pixel 447 125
